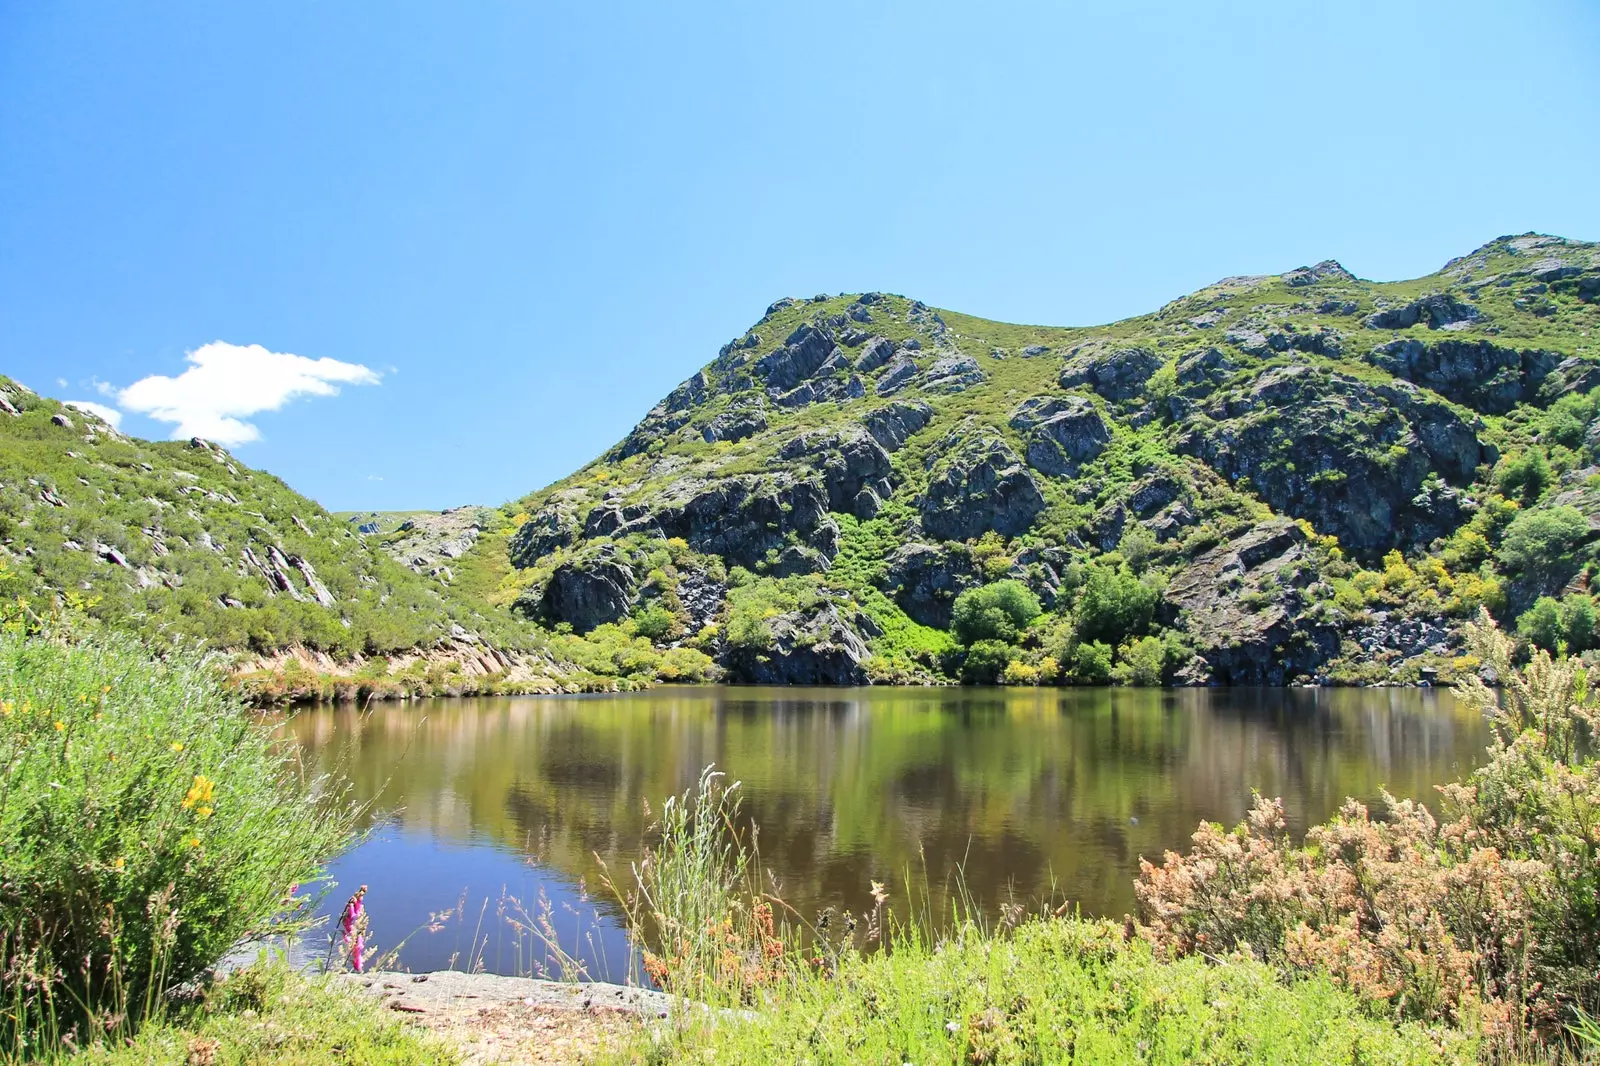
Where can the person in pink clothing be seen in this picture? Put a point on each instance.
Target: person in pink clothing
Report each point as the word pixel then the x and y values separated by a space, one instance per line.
pixel 354 924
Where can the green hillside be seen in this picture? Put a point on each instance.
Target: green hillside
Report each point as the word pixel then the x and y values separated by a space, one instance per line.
pixel 182 541
pixel 1296 476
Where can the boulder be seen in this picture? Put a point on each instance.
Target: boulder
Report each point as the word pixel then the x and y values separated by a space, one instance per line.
pixel 897 375
pixel 953 373
pixel 1440 310
pixel 1118 374
pixel 977 485
pixel 874 353
pixel 925 579
pixel 1244 606
pixel 587 591
pixel 893 424
pixel 1063 432
pixel 1327 270
pixel 1572 375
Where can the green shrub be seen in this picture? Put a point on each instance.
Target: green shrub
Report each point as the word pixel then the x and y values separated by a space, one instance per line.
pixel 996 612
pixel 1543 544
pixel 1144 662
pixel 1525 477
pixel 986 661
pixel 148 824
pixel 1091 663
pixel 654 622
pixel 1560 624
pixel 1114 604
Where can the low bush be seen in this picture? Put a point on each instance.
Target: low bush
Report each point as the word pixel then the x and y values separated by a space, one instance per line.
pixel 1488 917
pixel 996 612
pixel 148 824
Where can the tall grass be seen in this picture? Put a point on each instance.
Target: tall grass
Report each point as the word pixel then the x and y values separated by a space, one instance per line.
pixel 148 824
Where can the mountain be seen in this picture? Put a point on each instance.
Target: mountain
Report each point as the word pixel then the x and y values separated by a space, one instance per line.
pixel 1278 477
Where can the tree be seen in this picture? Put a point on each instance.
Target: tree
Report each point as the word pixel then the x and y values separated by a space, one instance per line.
pixel 994 612
pixel 985 661
pixel 1550 623
pixel 1525 477
pixel 1543 543
pixel 1114 605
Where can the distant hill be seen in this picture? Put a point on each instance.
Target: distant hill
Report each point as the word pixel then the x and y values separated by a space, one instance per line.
pixel 1214 492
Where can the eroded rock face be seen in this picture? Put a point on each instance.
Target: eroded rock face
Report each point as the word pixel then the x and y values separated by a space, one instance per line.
pixel 1247 610
pixel 1118 374
pixel 1348 456
pixel 925 579
pixel 1487 377
pixel 739 421
pixel 953 373
pixel 892 425
pixel 851 462
pixel 1063 432
pixel 552 527
pixel 826 645
pixel 597 587
pixel 1440 310
pixel 803 353
pixel 980 484
pixel 740 518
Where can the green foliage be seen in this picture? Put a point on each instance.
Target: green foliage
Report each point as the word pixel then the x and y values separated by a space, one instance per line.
pixel 1114 604
pixel 1525 477
pixel 148 823
pixel 1543 542
pixel 1560 625
pixel 1091 663
pixel 271 1015
pixel 654 622
pixel 986 661
pixel 995 612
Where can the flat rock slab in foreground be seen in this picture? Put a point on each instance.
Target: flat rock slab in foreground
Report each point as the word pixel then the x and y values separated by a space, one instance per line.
pixel 493 1019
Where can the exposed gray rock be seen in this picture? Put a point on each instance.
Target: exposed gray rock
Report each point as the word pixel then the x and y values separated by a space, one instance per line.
pixel 953 373
pixel 597 587
pixel 780 305
pixel 1348 456
pixel 1488 377
pixel 823 645
pixel 803 353
pixel 1063 432
pixel 1117 374
pixel 892 424
pixel 896 375
pixel 925 579
pixel 1033 351
pixel 850 462
pixel 978 484
pixel 1440 310
pixel 552 527
pixel 740 420
pixel 1327 270
pixel 1266 342
pixel 1245 608
pixel 61 420
pixel 1572 375
pixel 874 353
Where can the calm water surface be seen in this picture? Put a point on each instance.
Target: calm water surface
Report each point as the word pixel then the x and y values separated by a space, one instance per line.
pixel 1033 793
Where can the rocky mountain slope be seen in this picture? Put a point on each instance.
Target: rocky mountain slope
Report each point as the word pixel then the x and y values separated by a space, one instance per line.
pixel 1282 477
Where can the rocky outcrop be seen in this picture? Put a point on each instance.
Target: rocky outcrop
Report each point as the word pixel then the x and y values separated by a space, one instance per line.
pixel 552 527
pixel 897 374
pixel 430 543
pixel 1062 433
pixel 1440 310
pixel 1163 501
pixel 979 484
pixel 1118 374
pixel 893 424
pixel 1350 457
pixel 739 421
pixel 802 354
pixel 740 518
pixel 594 588
pixel 1487 377
pixel 925 579
pixel 821 645
pixel 1327 270
pixel 855 468
pixel 953 373
pixel 1245 606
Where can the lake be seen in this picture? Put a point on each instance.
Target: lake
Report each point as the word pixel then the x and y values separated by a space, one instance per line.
pixel 488 808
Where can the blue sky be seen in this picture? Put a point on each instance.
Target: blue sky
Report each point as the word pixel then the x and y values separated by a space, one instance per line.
pixel 500 232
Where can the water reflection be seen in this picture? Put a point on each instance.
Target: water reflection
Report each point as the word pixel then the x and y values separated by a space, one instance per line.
pixel 1033 793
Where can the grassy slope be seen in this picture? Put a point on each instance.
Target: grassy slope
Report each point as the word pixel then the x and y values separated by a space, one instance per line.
pixel 67 491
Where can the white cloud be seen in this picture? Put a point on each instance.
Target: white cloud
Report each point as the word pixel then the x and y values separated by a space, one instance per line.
pixel 109 415
pixel 228 383
pixel 374 477
pixel 61 383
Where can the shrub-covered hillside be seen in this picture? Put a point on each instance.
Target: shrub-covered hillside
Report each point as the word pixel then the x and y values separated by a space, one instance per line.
pixel 182 540
pixel 1303 475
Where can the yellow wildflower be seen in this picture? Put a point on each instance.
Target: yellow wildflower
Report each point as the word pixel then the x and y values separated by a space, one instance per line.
pixel 194 842
pixel 177 745
pixel 119 864
pixel 204 812
pixel 200 794
pixel 60 725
